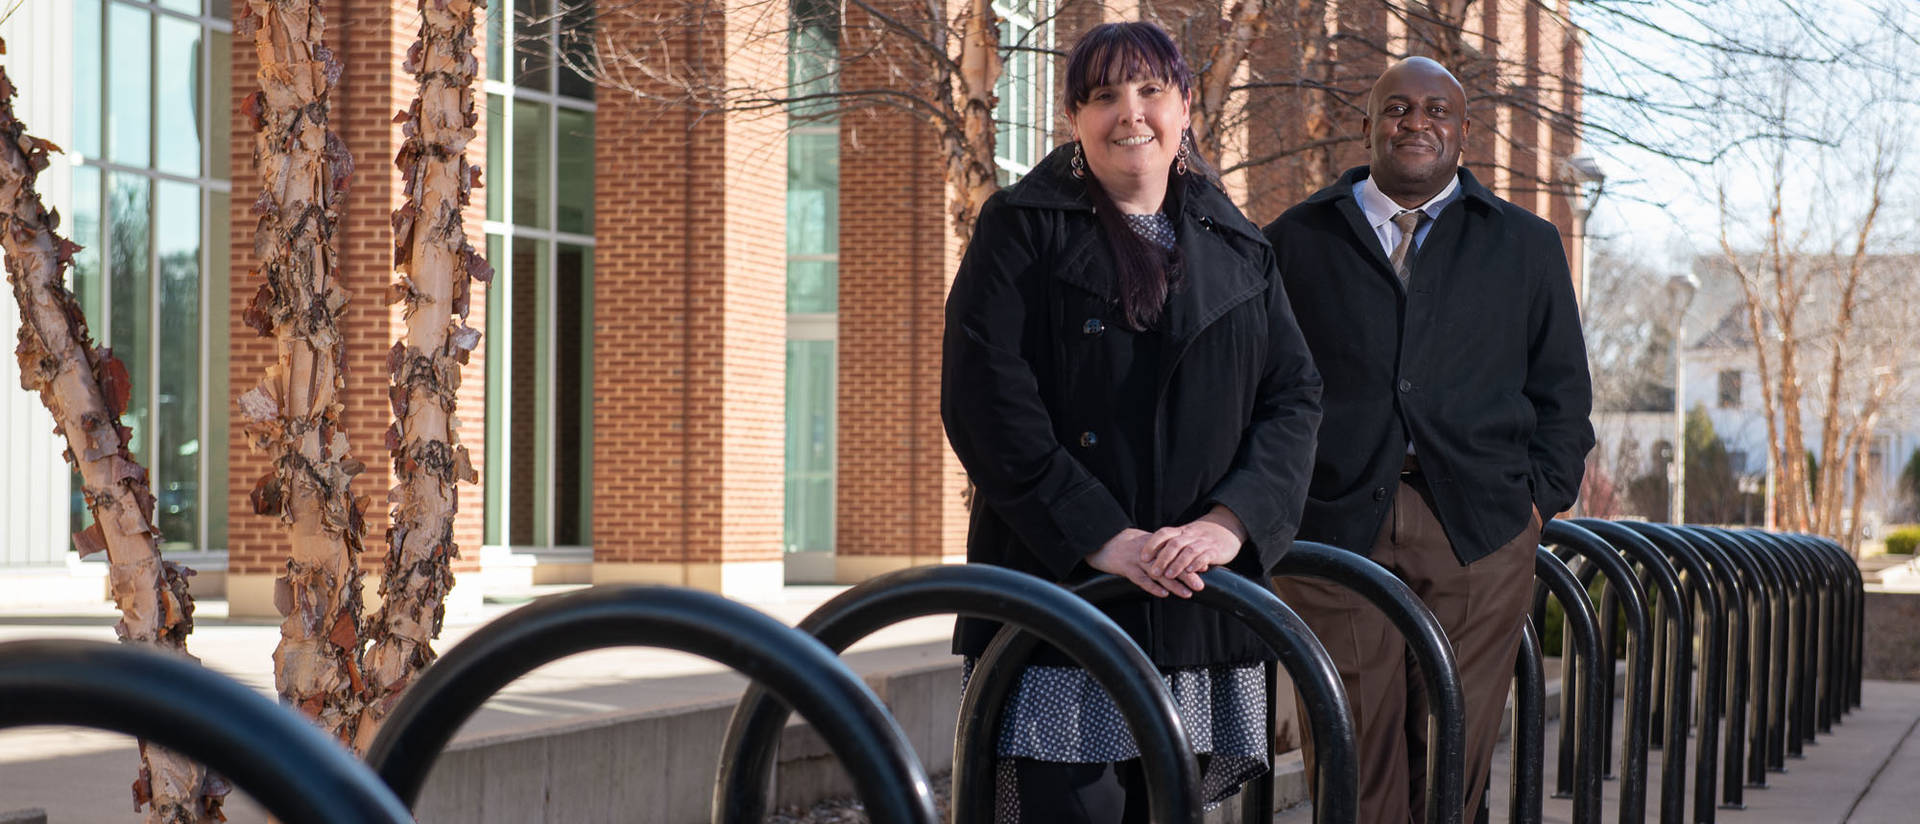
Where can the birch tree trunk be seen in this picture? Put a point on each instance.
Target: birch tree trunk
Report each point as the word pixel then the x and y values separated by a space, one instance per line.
pixel 294 413
pixel 86 388
pixel 970 167
pixel 434 264
pixel 1246 24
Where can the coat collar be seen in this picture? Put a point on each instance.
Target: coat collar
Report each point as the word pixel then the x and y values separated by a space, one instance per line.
pixel 1470 188
pixel 1051 185
pixel 1218 276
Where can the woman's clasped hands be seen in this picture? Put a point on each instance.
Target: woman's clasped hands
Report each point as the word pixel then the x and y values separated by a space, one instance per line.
pixel 1169 560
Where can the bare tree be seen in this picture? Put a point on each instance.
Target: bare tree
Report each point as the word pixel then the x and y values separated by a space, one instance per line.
pixel 294 414
pixel 1805 247
pixel 436 265
pixel 86 389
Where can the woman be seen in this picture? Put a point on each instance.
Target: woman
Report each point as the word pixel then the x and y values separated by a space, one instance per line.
pixel 1125 384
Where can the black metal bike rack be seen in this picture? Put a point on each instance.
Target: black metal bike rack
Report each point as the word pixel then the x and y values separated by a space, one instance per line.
pixel 1706 588
pixel 1625 588
pixel 1529 756
pixel 1754 653
pixel 279 758
pixel 1017 599
pixel 1336 783
pixel 800 669
pixel 1672 657
pixel 1583 634
pixel 1733 703
pixel 1427 640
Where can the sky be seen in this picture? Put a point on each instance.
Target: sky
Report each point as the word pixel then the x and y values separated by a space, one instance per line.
pixel 1661 211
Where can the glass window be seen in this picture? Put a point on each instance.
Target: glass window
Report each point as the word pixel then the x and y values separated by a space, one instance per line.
pixel 220 116
pixel 86 77
pixel 496 339
pixel 130 298
pixel 496 35
pixel 218 338
pixel 129 89
pixel 813 254
pixel 532 187
pixel 574 188
pixel 1023 116
pixel 84 224
pixel 810 445
pixel 152 88
pixel 177 77
pixel 176 457
pixel 526 517
pixel 532 65
pixel 1730 389
pixel 539 185
pixel 573 396
pixel 497 141
pixel 573 45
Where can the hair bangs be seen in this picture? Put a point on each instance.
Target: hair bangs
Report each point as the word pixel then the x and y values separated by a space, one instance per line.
pixel 1114 53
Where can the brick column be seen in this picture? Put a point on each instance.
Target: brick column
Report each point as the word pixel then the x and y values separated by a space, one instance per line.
pixel 371 38
pixel 690 322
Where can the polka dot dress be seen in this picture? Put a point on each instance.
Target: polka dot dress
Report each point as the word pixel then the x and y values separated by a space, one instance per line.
pixel 1063 714
pixel 1156 228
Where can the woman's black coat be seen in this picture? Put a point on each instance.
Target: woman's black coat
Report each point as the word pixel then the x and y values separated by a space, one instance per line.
pixel 1066 445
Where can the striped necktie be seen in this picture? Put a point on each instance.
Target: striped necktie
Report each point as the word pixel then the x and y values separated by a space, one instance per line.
pixel 1409 221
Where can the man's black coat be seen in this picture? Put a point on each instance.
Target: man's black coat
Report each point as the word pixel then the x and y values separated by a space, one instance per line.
pixel 1479 360
pixel 1069 437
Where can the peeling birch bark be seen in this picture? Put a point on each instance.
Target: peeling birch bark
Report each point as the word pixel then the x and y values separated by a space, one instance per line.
pixel 86 389
pixel 294 413
pixel 434 266
pixel 971 172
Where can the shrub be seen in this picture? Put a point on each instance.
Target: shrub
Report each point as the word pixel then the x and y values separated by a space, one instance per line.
pixel 1903 540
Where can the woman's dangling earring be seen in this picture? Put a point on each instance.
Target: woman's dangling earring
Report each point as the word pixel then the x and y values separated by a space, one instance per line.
pixel 1180 157
pixel 1079 162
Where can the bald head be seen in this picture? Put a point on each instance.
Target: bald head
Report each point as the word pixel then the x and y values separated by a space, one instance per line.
pixel 1416 127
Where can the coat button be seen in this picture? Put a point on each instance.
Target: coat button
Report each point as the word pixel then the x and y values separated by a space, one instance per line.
pixel 1089 439
pixel 1406 385
pixel 1093 326
pixel 1379 493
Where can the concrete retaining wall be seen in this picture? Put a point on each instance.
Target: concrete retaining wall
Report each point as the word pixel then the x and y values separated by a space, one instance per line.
pixel 1893 634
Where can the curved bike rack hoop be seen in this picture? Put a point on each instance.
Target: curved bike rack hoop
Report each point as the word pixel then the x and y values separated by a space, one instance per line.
pixel 1677 689
pixel 1529 755
pixel 997 672
pixel 1427 640
pixel 995 593
pixel 1604 559
pixel 1713 673
pixel 1753 655
pixel 288 765
pixel 805 674
pixel 1584 635
pixel 1738 684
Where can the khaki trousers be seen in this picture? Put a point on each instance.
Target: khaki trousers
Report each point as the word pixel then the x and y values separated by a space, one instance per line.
pixel 1480 606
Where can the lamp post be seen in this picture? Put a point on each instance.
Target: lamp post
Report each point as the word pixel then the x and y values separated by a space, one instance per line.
pixel 1589 181
pixel 1680 290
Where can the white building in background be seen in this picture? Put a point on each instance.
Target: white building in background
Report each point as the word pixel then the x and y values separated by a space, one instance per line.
pixel 1720 373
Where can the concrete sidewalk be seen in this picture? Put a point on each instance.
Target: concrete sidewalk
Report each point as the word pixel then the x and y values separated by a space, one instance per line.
pixel 1867 771
pixel 82 776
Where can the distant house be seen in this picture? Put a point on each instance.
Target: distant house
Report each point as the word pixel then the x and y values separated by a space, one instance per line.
pixel 1720 374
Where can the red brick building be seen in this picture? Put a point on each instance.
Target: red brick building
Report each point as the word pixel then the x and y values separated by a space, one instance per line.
pixel 712 346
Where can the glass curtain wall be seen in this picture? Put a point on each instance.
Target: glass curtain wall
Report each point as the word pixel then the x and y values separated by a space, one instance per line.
pixel 813 263
pixel 1024 113
pixel 539 187
pixel 151 184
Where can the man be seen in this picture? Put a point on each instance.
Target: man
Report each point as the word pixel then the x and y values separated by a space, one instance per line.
pixel 1443 321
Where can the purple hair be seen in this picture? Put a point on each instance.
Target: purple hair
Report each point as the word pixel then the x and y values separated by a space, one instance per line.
pixel 1113 53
